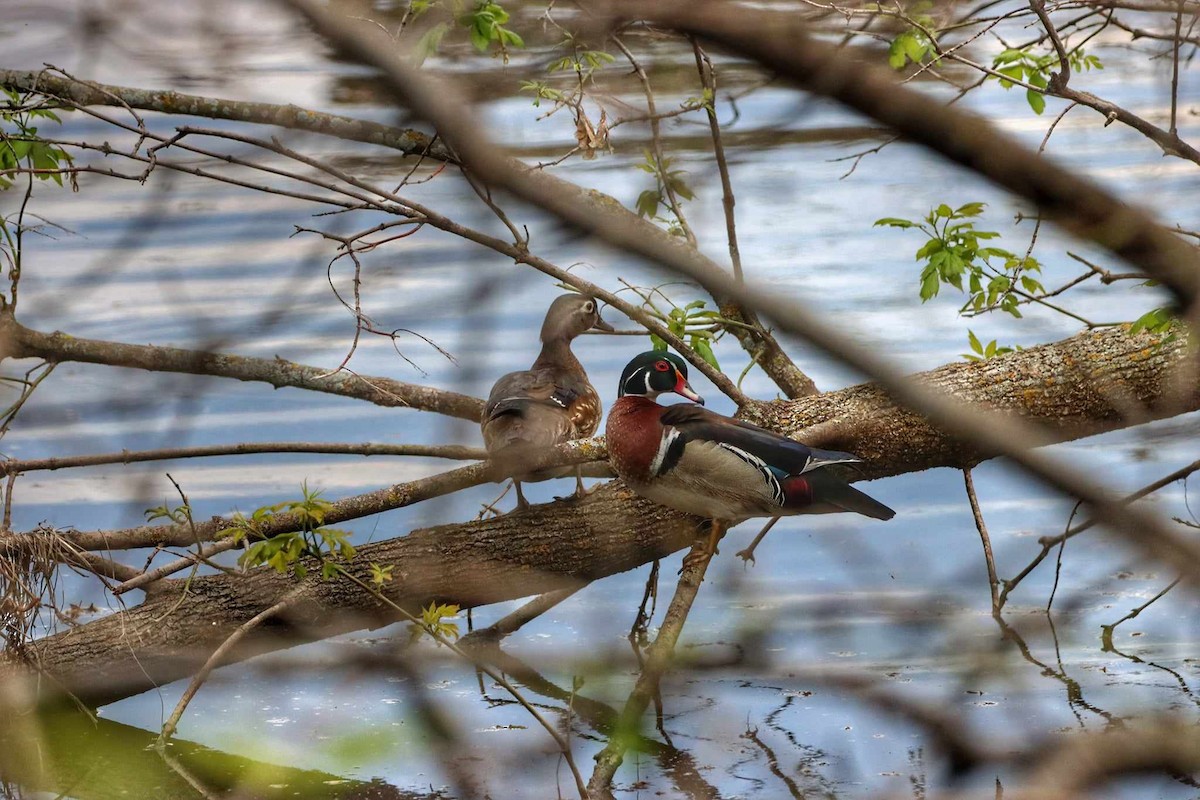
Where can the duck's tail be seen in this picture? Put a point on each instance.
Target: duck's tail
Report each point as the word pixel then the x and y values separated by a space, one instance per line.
pixel 833 490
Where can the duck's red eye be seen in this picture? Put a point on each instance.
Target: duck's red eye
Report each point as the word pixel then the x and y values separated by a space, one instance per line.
pixel 662 366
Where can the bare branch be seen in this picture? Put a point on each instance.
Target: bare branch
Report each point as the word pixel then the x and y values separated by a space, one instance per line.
pixel 658 661
pixel 981 526
pixel 457 452
pixel 91 93
pixel 22 342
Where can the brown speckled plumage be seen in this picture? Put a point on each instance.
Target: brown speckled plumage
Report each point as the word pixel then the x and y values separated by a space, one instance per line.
pixel 549 403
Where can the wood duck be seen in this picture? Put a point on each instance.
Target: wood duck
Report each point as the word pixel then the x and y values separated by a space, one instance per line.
pixel 549 403
pixel 700 462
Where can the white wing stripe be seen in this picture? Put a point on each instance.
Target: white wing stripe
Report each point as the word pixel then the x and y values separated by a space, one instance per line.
pixel 817 463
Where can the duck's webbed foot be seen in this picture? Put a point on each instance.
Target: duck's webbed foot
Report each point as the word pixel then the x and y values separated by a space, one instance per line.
pixel 522 503
pixel 747 555
pixel 580 491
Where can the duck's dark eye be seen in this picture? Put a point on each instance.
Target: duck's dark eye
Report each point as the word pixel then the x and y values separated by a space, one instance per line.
pixel 662 366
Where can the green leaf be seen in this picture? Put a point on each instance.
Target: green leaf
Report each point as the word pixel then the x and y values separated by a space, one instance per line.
pixel 678 185
pixel 944 210
pixel 1007 57
pixel 429 42
pixel 929 248
pixel 480 39
pixel 897 56
pixel 648 203
pixel 1037 101
pixel 1154 321
pixel 929 285
pixel 970 209
pixel 974 341
pixel 914 48
pixel 704 350
pixel 894 222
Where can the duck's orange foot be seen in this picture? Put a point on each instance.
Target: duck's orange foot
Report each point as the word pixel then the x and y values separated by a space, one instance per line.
pixel 697 555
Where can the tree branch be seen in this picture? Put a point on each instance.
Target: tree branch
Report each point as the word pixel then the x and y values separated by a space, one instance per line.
pixel 292 117
pixel 348 508
pixel 447 451
pixel 18 341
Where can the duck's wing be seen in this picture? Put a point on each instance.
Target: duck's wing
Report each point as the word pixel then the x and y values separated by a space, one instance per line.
pixel 525 408
pixel 777 452
pixel 517 390
pixel 785 470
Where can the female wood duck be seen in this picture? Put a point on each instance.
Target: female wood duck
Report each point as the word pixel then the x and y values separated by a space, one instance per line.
pixel 549 403
pixel 700 462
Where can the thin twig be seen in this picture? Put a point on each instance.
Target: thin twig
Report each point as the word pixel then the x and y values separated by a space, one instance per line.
pixel 169 727
pixel 530 611
pixel 563 746
pixel 658 660
pixel 981 526
pixel 1049 542
pixel 1107 630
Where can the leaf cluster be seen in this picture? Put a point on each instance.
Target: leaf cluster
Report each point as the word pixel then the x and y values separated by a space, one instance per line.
pixel 485 22
pixel 19 142
pixel 1158 320
pixel 285 552
pixel 655 203
pixel 434 621
pixel 954 254
pixel 693 323
pixel 914 44
pixel 982 352
pixel 1025 65
pixel 180 515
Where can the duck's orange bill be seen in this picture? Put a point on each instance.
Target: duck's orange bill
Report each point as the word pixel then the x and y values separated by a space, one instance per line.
pixel 682 387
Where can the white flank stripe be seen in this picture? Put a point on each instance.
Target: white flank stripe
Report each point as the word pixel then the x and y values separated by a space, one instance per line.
pixel 761 466
pixel 664 444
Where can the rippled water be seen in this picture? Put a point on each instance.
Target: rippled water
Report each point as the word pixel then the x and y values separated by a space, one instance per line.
pixel 193 263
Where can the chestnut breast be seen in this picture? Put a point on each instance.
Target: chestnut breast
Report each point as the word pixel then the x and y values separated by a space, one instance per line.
pixel 634 432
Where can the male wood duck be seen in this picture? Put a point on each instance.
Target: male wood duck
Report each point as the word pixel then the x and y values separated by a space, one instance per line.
pixel 549 403
pixel 700 462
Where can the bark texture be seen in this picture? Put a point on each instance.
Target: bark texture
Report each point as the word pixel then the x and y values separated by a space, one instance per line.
pixel 1090 383
pixel 1080 386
